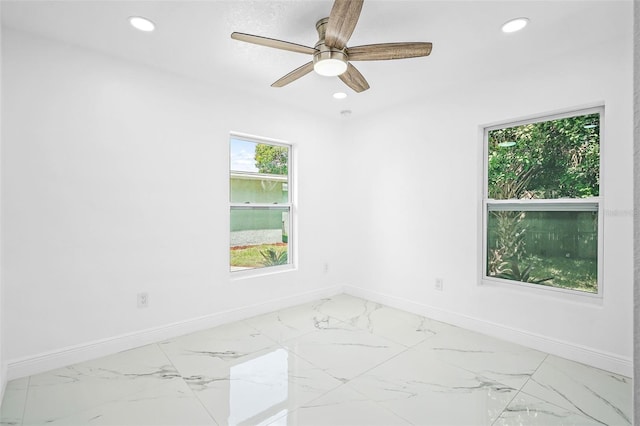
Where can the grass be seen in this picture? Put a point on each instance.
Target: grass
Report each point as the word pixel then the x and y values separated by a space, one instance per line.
pixel 250 257
pixel 570 273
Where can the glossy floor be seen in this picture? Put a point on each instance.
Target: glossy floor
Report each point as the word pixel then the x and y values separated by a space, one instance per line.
pixel 338 361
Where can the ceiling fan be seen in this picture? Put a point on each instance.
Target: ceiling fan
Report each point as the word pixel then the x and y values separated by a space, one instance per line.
pixel 331 56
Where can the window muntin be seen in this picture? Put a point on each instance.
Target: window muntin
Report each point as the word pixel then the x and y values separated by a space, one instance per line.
pixel 542 188
pixel 260 204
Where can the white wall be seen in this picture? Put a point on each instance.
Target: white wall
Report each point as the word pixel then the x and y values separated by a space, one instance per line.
pixel 422 198
pixel 115 181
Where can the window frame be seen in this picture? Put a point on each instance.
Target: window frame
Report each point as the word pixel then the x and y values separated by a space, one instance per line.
pixel 290 205
pixel 559 204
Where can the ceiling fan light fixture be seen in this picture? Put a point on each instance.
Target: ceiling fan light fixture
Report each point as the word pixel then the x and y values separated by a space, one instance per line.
pixel 330 67
pixel 514 25
pixel 329 63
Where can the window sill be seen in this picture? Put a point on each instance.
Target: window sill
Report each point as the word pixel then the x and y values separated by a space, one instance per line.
pixel 261 272
pixel 544 291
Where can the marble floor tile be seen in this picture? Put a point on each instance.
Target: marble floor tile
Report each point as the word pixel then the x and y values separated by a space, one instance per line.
pixel 338 361
pixel 343 306
pixel 65 395
pixel 419 387
pixel 343 351
pixel 199 352
pixel 528 410
pixel 165 403
pixel 15 397
pixel 495 359
pixel 401 327
pixel 292 322
pixel 340 407
pixel 601 396
pixel 253 388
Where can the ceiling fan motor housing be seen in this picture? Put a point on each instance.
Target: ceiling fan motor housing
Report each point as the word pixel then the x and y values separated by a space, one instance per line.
pixel 328 55
pixel 325 53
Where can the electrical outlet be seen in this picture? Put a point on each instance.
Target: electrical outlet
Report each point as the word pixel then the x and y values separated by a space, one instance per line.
pixel 439 284
pixel 143 300
pixel 326 267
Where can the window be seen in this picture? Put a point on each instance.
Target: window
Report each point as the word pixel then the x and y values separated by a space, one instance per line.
pixel 260 203
pixel 542 202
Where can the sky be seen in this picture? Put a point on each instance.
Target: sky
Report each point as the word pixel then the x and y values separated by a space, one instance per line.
pixel 242 155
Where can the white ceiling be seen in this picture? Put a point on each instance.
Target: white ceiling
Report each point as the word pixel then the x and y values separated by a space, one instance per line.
pixel 193 39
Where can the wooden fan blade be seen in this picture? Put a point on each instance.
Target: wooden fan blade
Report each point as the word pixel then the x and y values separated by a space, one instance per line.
pixel 271 42
pixel 294 75
pixel 352 78
pixel 342 21
pixel 384 51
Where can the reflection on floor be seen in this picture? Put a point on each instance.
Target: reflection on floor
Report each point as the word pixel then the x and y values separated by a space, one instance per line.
pixel 337 361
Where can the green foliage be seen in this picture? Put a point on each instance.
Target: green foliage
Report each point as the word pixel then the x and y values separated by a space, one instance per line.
pixel 272 159
pixel 250 256
pixel 577 274
pixel 510 246
pixel 551 159
pixel 273 257
pixel 504 260
pixel 513 272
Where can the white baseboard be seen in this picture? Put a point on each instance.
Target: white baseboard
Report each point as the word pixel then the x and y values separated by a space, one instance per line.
pixel 599 359
pixel 62 357
pixel 3 380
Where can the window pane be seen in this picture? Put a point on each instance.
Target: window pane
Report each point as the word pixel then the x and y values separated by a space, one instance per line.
pixel 259 172
pixel 259 237
pixel 552 248
pixel 546 160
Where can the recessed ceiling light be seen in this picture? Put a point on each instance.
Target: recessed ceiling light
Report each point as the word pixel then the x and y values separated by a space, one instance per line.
pixel 339 95
pixel 142 24
pixel 515 25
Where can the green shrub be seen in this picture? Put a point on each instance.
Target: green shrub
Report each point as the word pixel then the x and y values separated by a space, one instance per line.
pixel 273 257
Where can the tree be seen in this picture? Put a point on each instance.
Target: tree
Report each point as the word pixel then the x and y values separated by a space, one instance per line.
pixel 557 158
pixel 272 159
